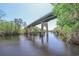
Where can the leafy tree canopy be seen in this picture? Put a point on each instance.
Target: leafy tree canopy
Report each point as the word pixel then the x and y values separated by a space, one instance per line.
pixel 67 15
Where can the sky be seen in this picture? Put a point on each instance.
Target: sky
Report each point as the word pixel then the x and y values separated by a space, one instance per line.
pixel 28 12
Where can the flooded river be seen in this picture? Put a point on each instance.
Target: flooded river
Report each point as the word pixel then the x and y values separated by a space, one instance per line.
pixel 36 46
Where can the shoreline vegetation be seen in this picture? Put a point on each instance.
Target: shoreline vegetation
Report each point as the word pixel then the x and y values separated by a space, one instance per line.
pixel 68 22
pixel 13 28
pixel 8 28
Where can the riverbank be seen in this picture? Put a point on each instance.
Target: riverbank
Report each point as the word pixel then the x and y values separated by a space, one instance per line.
pixel 68 38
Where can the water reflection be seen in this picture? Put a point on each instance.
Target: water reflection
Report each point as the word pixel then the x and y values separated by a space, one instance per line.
pixel 39 37
pixel 36 45
pixel 9 37
pixel 44 38
pixel 72 49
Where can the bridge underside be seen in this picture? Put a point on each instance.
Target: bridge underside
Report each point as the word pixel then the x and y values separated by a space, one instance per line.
pixel 45 18
pixel 44 23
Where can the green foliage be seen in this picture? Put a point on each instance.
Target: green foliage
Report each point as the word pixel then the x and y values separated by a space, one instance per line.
pixel 22 31
pixel 10 27
pixel 76 27
pixel 61 37
pixel 17 23
pixel 6 26
pixel 68 17
pixel 36 29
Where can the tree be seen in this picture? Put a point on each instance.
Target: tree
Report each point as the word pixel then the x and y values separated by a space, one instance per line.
pixel 68 17
pixel 18 23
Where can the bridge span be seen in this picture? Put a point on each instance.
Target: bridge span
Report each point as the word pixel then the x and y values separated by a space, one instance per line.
pixel 45 18
pixel 43 21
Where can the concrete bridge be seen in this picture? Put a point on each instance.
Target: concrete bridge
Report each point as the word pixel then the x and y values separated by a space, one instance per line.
pixel 43 21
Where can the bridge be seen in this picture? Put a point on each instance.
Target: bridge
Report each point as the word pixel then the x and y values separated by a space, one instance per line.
pixel 43 21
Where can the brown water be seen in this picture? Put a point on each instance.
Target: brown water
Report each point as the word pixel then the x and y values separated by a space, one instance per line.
pixel 36 46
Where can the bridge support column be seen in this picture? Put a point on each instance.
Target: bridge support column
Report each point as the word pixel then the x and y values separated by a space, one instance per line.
pixel 44 24
pixel 29 32
pixel 42 29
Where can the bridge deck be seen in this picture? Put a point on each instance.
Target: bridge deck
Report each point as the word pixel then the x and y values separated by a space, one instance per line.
pixel 45 18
